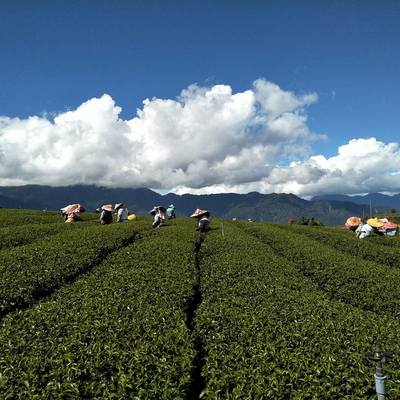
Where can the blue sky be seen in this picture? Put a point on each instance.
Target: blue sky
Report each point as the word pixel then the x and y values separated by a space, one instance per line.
pixel 58 54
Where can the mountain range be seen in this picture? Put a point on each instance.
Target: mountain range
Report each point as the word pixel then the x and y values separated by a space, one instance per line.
pixel 330 210
pixel 377 199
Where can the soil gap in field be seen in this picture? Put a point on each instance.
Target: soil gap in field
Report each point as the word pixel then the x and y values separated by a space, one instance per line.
pixel 196 384
pixel 44 292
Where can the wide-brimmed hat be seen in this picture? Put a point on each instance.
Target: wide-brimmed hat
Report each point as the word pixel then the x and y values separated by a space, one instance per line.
pixel 199 213
pixel 70 208
pixel 118 205
pixel 157 208
pixel 389 225
pixel 107 207
pixel 375 222
pixel 353 221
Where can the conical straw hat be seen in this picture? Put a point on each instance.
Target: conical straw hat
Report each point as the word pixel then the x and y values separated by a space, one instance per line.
pixel 375 223
pixel 70 208
pixel 107 207
pixel 353 221
pixel 199 212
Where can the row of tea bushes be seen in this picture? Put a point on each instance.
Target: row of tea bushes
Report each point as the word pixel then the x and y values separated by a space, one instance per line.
pixel 31 271
pixel 343 277
pixel 12 236
pixel 15 217
pixel 116 333
pixel 348 243
pixel 268 334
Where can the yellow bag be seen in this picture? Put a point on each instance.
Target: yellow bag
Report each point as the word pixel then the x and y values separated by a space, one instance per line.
pixel 132 217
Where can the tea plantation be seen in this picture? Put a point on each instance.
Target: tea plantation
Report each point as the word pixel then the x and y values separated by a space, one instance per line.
pixel 127 312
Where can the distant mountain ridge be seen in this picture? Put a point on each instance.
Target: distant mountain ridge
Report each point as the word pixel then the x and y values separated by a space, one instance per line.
pixel 260 207
pixel 377 199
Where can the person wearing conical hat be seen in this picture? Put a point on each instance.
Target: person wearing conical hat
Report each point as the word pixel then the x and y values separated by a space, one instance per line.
pixel 171 211
pixel 122 212
pixel 203 226
pixel 159 216
pixel 352 223
pixel 72 212
pixel 106 214
pixel 203 217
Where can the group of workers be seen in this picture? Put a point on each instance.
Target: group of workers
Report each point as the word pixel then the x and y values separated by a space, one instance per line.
pixel 106 213
pixel 380 226
pixel 161 213
pixel 73 212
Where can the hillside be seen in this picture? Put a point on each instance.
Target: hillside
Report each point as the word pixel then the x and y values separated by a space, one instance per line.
pixel 377 200
pixel 261 311
pixel 260 207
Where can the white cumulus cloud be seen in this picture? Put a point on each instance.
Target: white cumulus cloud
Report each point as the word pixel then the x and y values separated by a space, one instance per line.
pixel 207 136
pixel 207 140
pixel 362 165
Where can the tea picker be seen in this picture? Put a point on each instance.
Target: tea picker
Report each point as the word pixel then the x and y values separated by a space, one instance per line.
pixel 106 214
pixel 171 211
pixel 203 226
pixel 72 212
pixel 122 212
pixel 380 358
pixel 159 216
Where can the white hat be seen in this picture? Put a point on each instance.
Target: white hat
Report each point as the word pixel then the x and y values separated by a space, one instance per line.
pixel 199 212
pixel 107 207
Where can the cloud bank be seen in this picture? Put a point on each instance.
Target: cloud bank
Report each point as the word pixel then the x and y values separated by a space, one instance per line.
pixel 361 166
pixel 207 140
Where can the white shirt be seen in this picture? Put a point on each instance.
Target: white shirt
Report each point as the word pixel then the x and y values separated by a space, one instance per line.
pixel 122 214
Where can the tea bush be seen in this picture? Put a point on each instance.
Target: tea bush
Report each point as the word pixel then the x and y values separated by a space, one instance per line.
pixel 350 279
pixel 15 217
pixel 28 272
pixel 268 334
pixel 117 333
pixel 347 242
pixel 12 236
pixel 282 314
